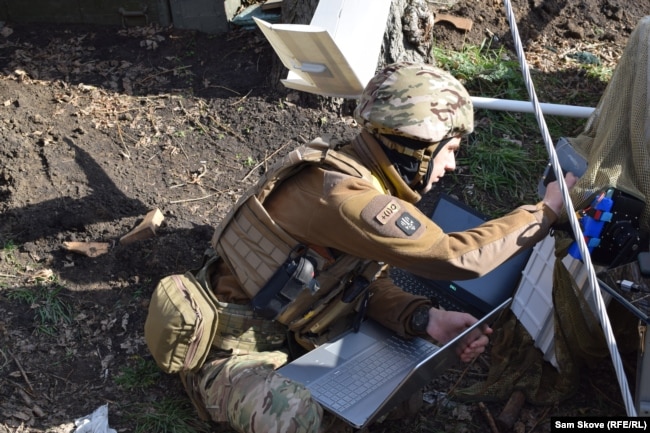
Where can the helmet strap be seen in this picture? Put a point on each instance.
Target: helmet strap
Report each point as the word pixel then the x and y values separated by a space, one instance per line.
pixel 426 167
pixel 424 156
pixel 399 148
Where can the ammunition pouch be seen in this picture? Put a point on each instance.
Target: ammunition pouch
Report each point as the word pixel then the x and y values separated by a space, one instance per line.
pixel 338 309
pixel 181 323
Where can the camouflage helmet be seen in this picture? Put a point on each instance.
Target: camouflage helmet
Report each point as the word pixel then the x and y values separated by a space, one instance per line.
pixel 417 101
pixel 414 110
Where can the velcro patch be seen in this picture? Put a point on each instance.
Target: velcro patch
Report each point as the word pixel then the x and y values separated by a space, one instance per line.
pixel 390 217
pixel 388 212
pixel 407 223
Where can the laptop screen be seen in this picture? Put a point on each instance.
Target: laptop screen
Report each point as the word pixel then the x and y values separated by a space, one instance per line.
pixel 477 296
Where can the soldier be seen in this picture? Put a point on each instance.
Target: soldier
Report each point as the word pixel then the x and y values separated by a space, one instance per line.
pixel 349 210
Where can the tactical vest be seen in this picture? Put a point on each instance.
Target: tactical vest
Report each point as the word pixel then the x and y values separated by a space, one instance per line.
pixel 254 247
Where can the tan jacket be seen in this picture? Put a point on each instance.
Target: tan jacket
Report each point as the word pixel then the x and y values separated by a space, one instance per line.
pixel 349 215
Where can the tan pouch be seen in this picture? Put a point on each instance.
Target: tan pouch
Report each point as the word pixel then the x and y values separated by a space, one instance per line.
pixel 181 323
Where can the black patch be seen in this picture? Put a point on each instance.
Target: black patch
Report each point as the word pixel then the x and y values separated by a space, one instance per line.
pixel 407 223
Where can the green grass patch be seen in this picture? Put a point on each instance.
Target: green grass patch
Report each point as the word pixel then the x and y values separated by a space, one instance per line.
pixel 50 308
pixel 599 72
pixel 484 71
pixel 502 161
pixel 169 415
pixel 8 252
pixel 142 374
pixel 44 297
pixel 501 169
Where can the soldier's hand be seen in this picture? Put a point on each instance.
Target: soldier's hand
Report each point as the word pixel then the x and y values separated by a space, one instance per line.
pixel 553 196
pixel 445 325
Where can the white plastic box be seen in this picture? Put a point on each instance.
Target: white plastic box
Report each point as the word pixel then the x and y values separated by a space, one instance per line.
pixel 533 301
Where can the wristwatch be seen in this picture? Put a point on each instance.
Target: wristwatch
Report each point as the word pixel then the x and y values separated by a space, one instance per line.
pixel 420 319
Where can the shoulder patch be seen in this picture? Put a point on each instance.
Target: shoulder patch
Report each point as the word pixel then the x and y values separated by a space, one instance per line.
pixel 393 218
pixel 389 211
pixel 408 223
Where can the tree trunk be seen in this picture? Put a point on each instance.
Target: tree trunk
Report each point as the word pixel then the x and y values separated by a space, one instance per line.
pixel 408 34
pixel 407 37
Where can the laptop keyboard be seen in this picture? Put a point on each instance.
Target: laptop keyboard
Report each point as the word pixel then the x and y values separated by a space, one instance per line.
pixel 409 283
pixel 351 382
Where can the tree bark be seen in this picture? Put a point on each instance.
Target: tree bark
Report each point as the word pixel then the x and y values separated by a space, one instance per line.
pixel 407 38
pixel 408 34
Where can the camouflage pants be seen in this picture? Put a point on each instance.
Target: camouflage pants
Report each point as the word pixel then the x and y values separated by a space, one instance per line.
pixel 245 392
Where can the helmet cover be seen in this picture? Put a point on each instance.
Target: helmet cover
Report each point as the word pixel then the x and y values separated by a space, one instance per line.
pixel 416 101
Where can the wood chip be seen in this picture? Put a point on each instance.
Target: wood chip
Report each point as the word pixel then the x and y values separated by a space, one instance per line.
pixel 146 229
pixel 89 249
pixel 458 22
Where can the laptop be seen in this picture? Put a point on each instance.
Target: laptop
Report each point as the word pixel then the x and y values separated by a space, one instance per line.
pixel 363 375
pixel 477 296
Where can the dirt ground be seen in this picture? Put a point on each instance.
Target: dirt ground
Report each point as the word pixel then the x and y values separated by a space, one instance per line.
pixel 99 126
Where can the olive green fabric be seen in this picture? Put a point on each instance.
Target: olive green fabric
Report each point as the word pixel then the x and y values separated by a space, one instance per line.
pixel 181 323
pixel 616 141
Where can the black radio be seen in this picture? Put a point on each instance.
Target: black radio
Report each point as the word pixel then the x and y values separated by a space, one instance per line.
pixel 294 276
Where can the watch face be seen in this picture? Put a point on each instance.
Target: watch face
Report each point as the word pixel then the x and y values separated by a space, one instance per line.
pixel 420 320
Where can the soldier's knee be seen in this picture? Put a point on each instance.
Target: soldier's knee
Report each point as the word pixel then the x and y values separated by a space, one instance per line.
pixel 261 400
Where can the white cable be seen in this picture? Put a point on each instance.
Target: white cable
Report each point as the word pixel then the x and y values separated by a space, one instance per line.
pixel 573 219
